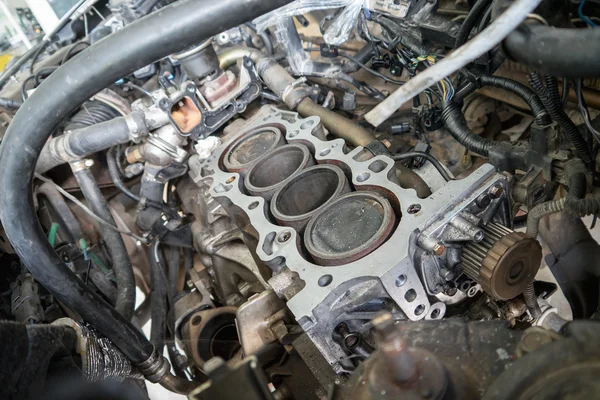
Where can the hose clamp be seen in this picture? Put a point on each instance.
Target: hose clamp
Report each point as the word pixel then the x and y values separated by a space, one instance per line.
pixel 136 123
pixel 155 367
pixel 289 88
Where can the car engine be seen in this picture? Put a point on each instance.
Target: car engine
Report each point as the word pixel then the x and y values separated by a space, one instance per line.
pixel 309 199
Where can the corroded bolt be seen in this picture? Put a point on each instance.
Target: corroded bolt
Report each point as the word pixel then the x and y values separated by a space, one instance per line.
pixel 496 191
pixel 394 349
pixel 438 249
pixel 413 208
pixel 386 143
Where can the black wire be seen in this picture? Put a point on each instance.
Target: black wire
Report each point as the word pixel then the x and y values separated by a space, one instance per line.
pixel 414 154
pixel 69 52
pixel 565 93
pixel 89 267
pixel 39 51
pixel 372 71
pixel 24 85
pixel 138 88
pixel 43 73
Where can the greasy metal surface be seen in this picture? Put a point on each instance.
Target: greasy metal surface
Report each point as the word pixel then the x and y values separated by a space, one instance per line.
pixel 325 294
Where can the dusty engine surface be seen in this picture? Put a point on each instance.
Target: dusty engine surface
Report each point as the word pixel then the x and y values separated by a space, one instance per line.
pixel 303 200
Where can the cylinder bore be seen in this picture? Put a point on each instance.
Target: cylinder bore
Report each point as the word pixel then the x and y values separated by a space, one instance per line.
pixel 274 171
pixel 251 147
pixel 306 194
pixel 349 228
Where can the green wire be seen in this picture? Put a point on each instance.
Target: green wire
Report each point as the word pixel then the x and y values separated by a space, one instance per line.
pixel 52 234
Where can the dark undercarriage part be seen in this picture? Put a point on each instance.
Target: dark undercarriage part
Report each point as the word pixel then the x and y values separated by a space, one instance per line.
pixel 305 200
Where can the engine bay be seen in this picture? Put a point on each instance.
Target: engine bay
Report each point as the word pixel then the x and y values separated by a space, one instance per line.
pixel 304 199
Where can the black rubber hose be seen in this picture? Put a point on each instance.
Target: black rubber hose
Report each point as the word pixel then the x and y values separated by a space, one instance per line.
pixel 114 242
pixel 529 96
pixel 551 100
pixel 91 113
pixel 469 23
pixel 569 53
pixel 82 142
pixel 10 104
pixel 457 126
pixel 151 189
pixel 158 296
pixel 173 29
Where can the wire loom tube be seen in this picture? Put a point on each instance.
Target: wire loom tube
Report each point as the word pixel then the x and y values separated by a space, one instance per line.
pixel 552 102
pixel 170 30
pixel 457 126
pixel 529 96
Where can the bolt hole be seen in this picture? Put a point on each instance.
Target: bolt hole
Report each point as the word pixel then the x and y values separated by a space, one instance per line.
pixel 231 179
pixel 253 205
pixel 325 280
pixel 325 152
pixel 196 320
pixel 293 134
pixel 410 295
pixel 284 236
pixel 363 177
pixel 420 309
pixel 401 280
pixel 413 208
pixel 435 313
pixel 307 124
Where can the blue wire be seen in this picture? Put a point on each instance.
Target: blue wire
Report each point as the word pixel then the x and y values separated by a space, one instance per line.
pixel 583 17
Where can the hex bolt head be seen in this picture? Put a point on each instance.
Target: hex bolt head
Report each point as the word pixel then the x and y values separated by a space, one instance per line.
pixel 438 249
pixel 496 191
pixel 88 162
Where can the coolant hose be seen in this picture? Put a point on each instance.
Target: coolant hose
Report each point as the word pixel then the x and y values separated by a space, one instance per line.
pixel 173 29
pixel 80 143
pixel 457 126
pixel 570 53
pixel 158 296
pixel 119 257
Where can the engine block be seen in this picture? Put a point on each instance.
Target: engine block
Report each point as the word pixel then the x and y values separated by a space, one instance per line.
pixel 379 270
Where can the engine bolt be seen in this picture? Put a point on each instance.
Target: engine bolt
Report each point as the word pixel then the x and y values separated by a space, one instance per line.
pixel 88 162
pixel 438 249
pixel 413 208
pixel 447 274
pixel 496 191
